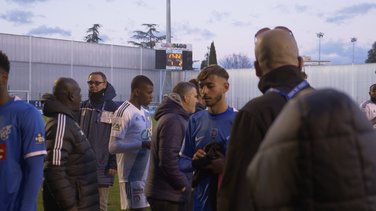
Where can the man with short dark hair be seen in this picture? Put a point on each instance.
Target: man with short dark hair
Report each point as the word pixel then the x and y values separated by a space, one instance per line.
pixel 167 187
pixel 130 140
pixel 70 179
pixel 278 65
pixel 22 148
pixel 95 120
pixel 207 138
pixel 369 106
pixel 201 103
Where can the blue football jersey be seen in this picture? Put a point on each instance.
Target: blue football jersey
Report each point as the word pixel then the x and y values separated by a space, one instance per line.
pixel 205 128
pixel 21 137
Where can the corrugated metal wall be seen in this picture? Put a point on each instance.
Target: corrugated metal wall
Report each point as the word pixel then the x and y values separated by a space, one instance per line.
pixel 42 61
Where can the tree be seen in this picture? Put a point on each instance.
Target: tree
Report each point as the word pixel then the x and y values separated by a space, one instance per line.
pixel 212 54
pixel 93 34
pixel 372 54
pixel 236 61
pixel 147 38
pixel 210 58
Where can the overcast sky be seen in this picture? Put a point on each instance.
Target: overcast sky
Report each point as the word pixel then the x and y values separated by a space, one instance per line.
pixel 231 24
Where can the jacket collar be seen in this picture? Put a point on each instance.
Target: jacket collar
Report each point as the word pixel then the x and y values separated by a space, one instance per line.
pixel 285 77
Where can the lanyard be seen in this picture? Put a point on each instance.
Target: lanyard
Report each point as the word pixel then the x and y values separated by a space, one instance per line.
pixel 302 85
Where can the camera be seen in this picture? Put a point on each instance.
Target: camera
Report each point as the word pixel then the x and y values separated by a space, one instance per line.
pixel 213 150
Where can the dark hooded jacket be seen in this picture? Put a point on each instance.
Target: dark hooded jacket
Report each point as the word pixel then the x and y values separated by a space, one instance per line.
pixel 165 180
pixel 249 128
pixel 318 155
pixel 95 121
pixel 70 177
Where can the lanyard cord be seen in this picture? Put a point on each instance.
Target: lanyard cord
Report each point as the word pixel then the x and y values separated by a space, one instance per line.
pixel 302 85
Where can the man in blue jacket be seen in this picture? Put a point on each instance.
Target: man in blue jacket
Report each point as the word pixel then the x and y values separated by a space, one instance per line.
pixel 95 121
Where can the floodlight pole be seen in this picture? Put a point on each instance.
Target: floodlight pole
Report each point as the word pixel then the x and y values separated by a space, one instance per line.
pixel 353 40
pixel 168 21
pixel 320 35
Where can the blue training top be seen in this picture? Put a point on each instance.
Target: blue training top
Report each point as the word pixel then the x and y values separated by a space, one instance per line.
pixel 21 137
pixel 203 129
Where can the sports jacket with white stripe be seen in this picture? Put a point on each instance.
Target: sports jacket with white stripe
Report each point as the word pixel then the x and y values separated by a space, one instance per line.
pixel 70 177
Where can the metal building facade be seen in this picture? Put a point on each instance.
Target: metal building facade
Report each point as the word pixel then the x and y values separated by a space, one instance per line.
pixel 37 62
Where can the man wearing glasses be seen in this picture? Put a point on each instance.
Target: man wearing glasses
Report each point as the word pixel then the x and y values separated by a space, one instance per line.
pixel 95 120
pixel 278 65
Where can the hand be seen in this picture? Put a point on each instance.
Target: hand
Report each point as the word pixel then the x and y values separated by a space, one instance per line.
pixel 217 166
pixel 112 172
pixel 199 154
pixel 146 144
pixel 183 189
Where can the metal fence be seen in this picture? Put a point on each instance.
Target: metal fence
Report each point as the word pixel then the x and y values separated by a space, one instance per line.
pixel 37 62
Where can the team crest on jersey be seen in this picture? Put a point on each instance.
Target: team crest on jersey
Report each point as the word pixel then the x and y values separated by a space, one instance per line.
pixel 5 132
pixel 146 134
pixel 214 132
pixel 116 126
pixel 39 139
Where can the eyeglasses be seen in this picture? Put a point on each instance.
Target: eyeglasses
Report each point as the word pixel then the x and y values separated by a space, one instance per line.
pixel 284 28
pixel 96 83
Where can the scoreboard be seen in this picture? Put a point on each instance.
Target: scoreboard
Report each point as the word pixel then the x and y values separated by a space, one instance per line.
pixel 174 59
pixel 173 56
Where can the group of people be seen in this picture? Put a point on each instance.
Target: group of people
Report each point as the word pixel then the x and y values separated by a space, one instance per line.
pixel 292 148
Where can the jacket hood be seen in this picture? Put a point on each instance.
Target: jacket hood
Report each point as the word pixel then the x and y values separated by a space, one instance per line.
pixel 171 104
pixel 51 107
pixel 110 92
pixel 106 94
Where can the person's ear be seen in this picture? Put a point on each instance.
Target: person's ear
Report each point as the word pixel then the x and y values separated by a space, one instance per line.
pixel 257 69
pixel 184 99
pixel 4 75
pixel 136 92
pixel 70 96
pixel 227 86
pixel 300 62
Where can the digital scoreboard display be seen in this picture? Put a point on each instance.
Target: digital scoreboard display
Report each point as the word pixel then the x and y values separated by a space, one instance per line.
pixel 174 59
pixel 173 56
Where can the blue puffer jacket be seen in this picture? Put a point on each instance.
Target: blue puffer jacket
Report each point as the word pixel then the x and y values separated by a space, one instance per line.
pixel 95 121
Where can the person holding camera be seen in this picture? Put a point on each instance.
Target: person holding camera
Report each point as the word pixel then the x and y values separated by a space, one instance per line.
pixel 207 138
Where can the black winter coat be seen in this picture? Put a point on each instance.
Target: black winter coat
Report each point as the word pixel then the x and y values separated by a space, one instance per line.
pixel 318 155
pixel 95 121
pixel 249 128
pixel 70 177
pixel 165 180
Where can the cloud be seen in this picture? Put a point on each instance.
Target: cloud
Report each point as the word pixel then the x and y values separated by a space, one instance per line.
pixel 26 1
pixel 185 29
pixel 238 23
pixel 350 12
pixel 217 16
pixel 18 16
pixel 141 3
pixel 338 52
pixel 301 8
pixel 45 30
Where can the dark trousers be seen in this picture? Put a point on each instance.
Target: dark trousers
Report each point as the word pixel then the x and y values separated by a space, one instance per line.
pixel 162 205
pixel 49 203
